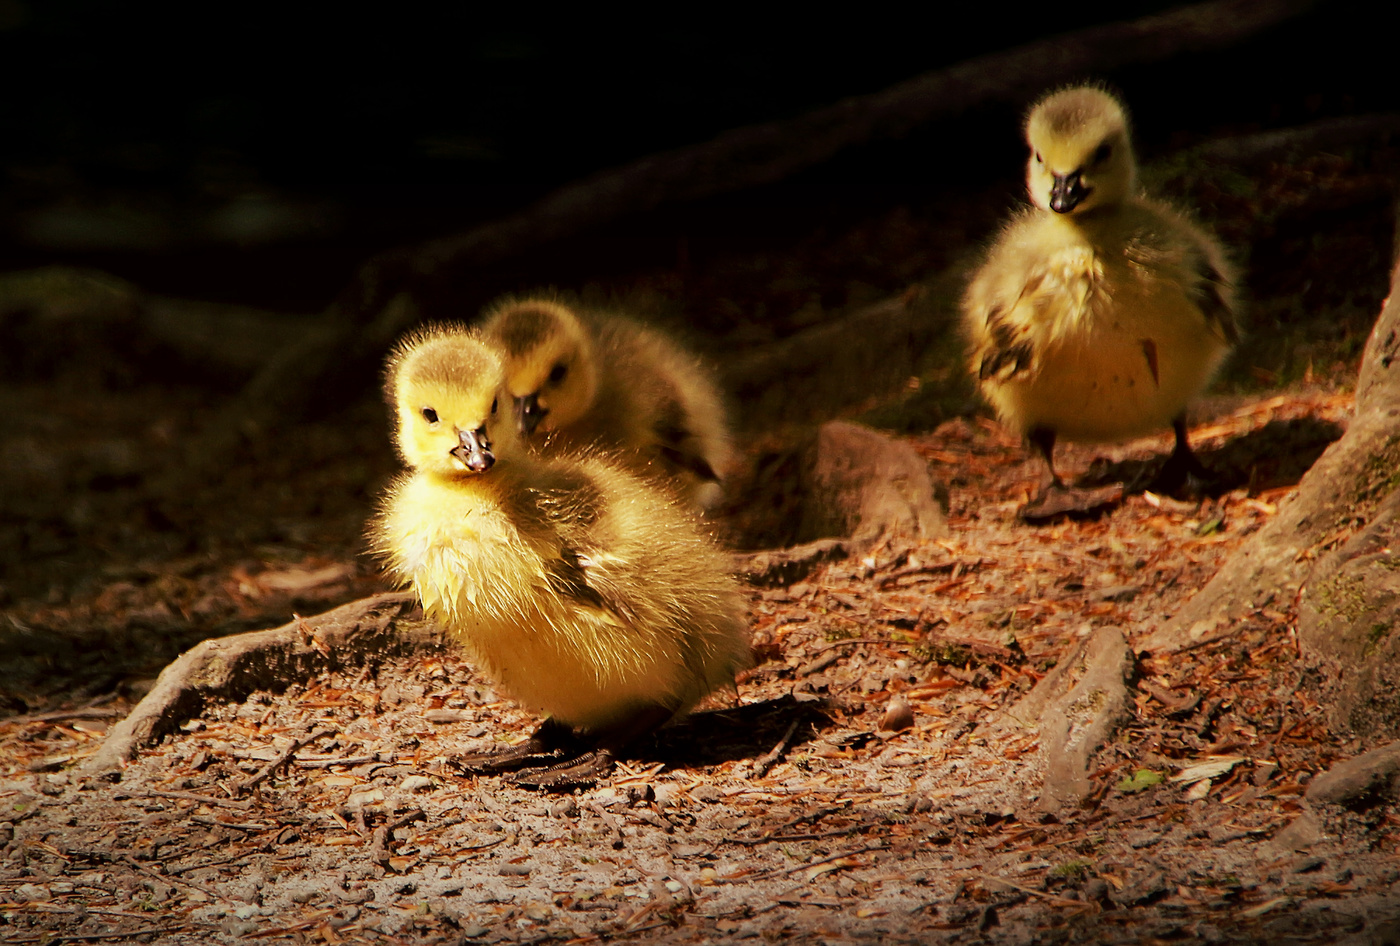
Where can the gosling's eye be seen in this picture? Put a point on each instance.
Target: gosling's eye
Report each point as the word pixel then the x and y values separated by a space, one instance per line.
pixel 1038 158
pixel 494 402
pixel 558 372
pixel 1101 153
pixel 430 415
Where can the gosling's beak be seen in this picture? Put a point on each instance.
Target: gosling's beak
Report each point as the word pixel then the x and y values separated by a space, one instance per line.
pixel 1067 192
pixel 474 451
pixel 528 413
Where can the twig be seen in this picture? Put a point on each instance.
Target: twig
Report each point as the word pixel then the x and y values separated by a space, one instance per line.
pixel 130 862
pixel 476 847
pixel 746 913
pixel 1047 897
pixel 846 642
pixel 53 715
pixel 608 820
pixel 381 845
pixel 282 759
pixel 811 816
pixel 878 846
pixel 762 765
pixel 822 836
pixel 206 799
pixel 232 859
pixel 932 568
pixel 216 823
pixel 329 763
pixel 51 937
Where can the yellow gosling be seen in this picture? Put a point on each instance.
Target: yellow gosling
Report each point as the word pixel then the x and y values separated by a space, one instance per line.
pixel 583 591
pixel 582 379
pixel 1098 313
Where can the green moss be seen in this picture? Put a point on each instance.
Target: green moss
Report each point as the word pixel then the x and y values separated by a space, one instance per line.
pixel 1140 780
pixel 1071 870
pixel 835 633
pixel 1375 638
pixel 1340 596
pixel 942 653
pixel 1380 476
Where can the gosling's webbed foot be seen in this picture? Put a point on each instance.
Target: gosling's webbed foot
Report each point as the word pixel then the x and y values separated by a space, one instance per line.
pixel 551 743
pixel 1183 473
pixel 1057 499
pixel 581 772
pixel 504 760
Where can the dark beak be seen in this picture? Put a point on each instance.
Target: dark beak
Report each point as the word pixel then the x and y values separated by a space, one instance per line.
pixel 528 414
pixel 475 450
pixel 1067 192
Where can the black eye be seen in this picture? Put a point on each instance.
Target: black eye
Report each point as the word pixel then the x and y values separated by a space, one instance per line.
pixel 558 372
pixel 430 415
pixel 1038 158
pixel 1102 152
pixel 493 404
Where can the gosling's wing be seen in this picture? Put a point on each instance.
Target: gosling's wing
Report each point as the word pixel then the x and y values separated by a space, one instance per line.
pixel 570 507
pixel 1038 279
pixel 1169 242
pixel 1003 313
pixel 680 445
pixel 1007 348
pixel 670 404
pixel 1214 294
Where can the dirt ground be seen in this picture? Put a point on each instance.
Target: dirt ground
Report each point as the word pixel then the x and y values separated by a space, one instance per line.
pixel 866 827
pixel 869 781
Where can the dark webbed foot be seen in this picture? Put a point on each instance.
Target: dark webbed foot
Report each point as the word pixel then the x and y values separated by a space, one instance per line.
pixel 581 772
pixel 558 757
pixel 1056 499
pixel 1183 472
pixel 552 743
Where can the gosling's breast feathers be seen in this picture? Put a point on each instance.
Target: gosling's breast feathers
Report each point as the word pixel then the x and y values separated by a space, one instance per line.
pixel 1099 329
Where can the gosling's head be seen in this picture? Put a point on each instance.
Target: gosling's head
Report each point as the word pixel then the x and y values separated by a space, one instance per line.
pixel 551 375
pixel 1081 156
pixel 445 385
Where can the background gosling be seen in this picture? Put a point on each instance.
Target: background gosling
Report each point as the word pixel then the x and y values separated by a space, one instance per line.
pixel 581 379
pixel 583 591
pixel 1099 313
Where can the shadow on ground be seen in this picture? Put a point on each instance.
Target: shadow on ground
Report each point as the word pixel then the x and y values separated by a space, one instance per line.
pixel 728 735
pixel 1275 455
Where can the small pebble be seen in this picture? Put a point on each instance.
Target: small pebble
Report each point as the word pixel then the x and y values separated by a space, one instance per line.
pixel 375 796
pixel 707 794
pixel 416 783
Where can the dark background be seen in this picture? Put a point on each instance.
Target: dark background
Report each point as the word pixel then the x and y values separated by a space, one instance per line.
pixel 158 454
pixel 256 153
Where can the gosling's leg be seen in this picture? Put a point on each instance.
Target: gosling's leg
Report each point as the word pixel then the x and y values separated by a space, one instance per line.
pixel 1043 440
pixel 1182 467
pixel 588 767
pixel 1057 499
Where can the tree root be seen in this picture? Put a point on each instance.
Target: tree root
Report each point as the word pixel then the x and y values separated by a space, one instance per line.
pixel 229 668
pixel 1078 706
